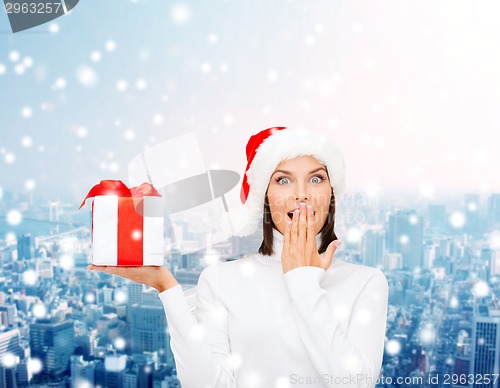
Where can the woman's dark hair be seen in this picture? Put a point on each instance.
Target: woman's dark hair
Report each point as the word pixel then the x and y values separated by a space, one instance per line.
pixel 327 233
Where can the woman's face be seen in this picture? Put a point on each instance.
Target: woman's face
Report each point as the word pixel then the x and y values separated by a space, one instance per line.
pixel 302 179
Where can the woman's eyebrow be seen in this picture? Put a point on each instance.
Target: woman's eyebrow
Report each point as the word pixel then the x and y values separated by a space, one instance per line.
pixel 290 173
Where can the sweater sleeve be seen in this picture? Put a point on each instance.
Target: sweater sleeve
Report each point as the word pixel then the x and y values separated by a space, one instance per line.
pixel 354 356
pixel 200 345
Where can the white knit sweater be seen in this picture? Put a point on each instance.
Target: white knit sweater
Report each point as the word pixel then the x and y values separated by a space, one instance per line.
pixel 257 327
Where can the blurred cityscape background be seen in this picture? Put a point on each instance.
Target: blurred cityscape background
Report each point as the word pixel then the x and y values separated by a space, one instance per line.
pixel 63 326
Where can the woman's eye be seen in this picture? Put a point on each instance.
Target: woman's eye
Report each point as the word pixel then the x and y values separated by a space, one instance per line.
pixel 318 178
pixel 281 179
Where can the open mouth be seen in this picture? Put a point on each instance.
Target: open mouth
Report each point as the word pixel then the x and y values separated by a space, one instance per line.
pixel 290 214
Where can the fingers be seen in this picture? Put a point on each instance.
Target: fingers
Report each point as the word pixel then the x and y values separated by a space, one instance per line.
pixel 311 235
pixel 294 234
pixel 286 237
pixel 330 251
pixel 103 268
pixel 302 236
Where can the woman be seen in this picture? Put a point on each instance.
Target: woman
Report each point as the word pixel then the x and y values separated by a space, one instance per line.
pixel 290 315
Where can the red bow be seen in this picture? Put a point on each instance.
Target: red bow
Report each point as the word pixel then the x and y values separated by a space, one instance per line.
pixel 116 187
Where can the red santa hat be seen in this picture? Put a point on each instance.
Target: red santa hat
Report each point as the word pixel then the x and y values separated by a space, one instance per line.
pixel 265 151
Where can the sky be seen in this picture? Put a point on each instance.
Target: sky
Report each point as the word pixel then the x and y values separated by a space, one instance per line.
pixel 408 90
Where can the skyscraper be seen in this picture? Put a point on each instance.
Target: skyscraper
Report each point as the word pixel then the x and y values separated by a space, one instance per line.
pixel 436 215
pixel 486 345
pixel 372 247
pixel 494 210
pixel 53 342
pixel 25 247
pixel 405 236
pixel 473 224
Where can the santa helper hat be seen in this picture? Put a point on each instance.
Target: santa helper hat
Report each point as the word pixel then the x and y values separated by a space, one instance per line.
pixel 265 151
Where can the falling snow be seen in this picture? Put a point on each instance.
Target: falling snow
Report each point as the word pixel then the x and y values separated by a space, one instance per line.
pixel 110 45
pixel 67 262
pixel 39 310
pixel 95 56
pixel 14 56
pixel 9 158
pixel 457 219
pixel 29 184
pixel 14 217
pixel 129 134
pixel 30 277
pixel 26 112
pixel 180 14
pixel 86 76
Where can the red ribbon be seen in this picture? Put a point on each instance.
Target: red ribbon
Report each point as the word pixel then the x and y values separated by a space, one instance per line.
pixel 116 187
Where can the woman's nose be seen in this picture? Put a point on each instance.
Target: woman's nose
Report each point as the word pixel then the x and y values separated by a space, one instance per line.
pixel 302 196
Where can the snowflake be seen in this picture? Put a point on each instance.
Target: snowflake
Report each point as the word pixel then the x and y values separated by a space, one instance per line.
pixel 211 257
pixel 86 76
pixel 39 310
pixel 140 84
pixel 212 38
pixel 28 62
pixel 95 56
pixel 82 132
pixel 35 365
pixel 426 190
pixel 427 335
pixel 60 83
pixel 120 343
pixel 67 262
pixel 30 184
pixel 180 14
pixel 14 56
pixel 54 28
pixel 481 289
pixel 393 347
pixel 413 219
pixel 9 360
pixel 120 296
pixel 121 85
pixel 110 45
pixel 90 297
pixel 353 235
pixel 457 219
pixel 26 112
pixel 30 277
pixel 14 217
pixel 129 134
pixel 157 119
pixel 206 68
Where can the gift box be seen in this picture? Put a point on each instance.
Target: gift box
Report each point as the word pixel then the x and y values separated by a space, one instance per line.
pixel 127 224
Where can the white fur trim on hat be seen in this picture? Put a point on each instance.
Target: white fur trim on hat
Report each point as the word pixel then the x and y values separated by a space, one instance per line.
pixel 282 145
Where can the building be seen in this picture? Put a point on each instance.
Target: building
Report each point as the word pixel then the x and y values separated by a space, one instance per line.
pixel 405 236
pixel 25 247
pixel 485 345
pixel 494 210
pixel 53 342
pixel 372 247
